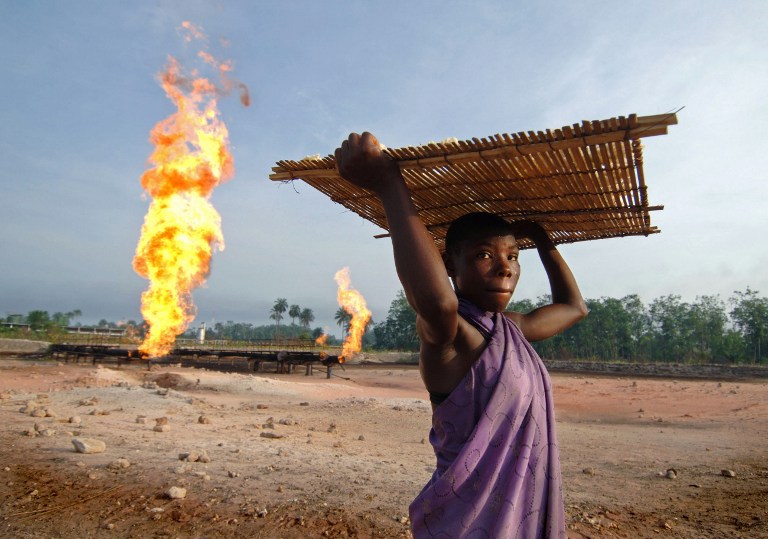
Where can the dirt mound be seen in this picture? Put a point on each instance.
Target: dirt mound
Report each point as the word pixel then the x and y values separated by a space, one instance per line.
pixel 169 380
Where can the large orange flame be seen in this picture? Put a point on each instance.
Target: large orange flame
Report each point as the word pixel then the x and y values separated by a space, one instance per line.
pixel 181 229
pixel 353 303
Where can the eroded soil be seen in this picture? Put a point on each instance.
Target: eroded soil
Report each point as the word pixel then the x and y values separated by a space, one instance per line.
pixel 301 456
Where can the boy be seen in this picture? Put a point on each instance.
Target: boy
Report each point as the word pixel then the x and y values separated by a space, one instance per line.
pixel 498 472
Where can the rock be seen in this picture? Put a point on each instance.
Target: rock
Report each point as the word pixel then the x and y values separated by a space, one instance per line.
pixel 38 412
pixel 176 493
pixel 30 407
pixel 192 456
pixel 588 471
pixel 75 420
pixel 273 435
pixel 303 404
pixel 361 438
pixel 261 406
pixel 204 420
pixel 161 428
pixel 287 421
pixel 90 401
pixel 233 474
pixel 89 445
pixel 141 419
pixel 727 473
pixel 119 464
pixel 195 456
pixel 671 473
pixel 161 420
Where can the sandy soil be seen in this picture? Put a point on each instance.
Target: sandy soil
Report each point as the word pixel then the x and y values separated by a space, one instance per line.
pixel 295 456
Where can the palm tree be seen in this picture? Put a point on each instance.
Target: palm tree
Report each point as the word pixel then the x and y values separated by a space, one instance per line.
pixel 276 314
pixel 306 317
pixel 343 319
pixel 71 315
pixel 294 312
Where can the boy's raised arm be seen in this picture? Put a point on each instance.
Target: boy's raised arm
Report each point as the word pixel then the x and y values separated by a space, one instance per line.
pixel 419 265
pixel 568 306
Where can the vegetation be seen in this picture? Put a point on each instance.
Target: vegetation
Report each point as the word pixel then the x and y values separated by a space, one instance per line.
pixel 707 330
pixel 398 331
pixel 240 331
pixel 343 319
pixel 276 314
pixel 667 329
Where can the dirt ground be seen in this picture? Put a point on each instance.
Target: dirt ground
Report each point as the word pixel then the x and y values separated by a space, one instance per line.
pixel 294 456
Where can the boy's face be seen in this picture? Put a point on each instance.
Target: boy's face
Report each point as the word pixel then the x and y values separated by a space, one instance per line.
pixel 485 271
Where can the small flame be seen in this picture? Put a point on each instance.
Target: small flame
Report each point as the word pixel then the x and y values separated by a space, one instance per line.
pixel 181 229
pixel 321 339
pixel 353 303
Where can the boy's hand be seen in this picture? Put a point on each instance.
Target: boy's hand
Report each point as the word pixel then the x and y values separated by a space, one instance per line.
pixel 531 230
pixel 360 161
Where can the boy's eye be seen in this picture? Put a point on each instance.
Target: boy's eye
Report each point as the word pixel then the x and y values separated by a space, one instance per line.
pixel 512 257
pixel 484 254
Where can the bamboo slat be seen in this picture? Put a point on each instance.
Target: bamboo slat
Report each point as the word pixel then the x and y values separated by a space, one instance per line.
pixel 581 182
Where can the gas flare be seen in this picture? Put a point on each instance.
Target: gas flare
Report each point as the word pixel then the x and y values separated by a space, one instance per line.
pixel 181 229
pixel 321 340
pixel 353 303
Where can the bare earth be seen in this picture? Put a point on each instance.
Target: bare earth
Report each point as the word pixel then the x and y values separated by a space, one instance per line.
pixel 293 456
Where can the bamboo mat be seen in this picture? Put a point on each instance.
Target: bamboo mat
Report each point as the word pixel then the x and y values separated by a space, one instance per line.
pixel 581 182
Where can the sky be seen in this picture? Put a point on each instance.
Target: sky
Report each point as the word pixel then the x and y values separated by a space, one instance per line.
pixel 80 95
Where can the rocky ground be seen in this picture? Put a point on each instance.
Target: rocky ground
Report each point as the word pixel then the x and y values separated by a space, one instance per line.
pixel 197 453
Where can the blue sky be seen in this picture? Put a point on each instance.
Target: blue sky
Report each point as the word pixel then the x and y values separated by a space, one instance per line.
pixel 80 95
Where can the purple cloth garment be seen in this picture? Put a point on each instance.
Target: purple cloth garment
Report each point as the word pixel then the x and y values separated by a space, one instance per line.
pixel 498 468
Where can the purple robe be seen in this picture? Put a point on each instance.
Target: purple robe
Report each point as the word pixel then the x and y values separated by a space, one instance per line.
pixel 498 468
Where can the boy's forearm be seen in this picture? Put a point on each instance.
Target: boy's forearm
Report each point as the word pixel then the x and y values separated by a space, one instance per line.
pixel 417 260
pixel 561 280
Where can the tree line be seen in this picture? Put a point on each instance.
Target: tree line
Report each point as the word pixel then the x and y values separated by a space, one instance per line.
pixel 243 331
pixel 706 330
pixel 667 329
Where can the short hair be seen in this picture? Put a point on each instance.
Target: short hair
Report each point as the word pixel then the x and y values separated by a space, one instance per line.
pixel 473 226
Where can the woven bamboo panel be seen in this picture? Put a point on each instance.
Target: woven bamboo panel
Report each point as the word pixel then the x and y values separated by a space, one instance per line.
pixel 581 182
